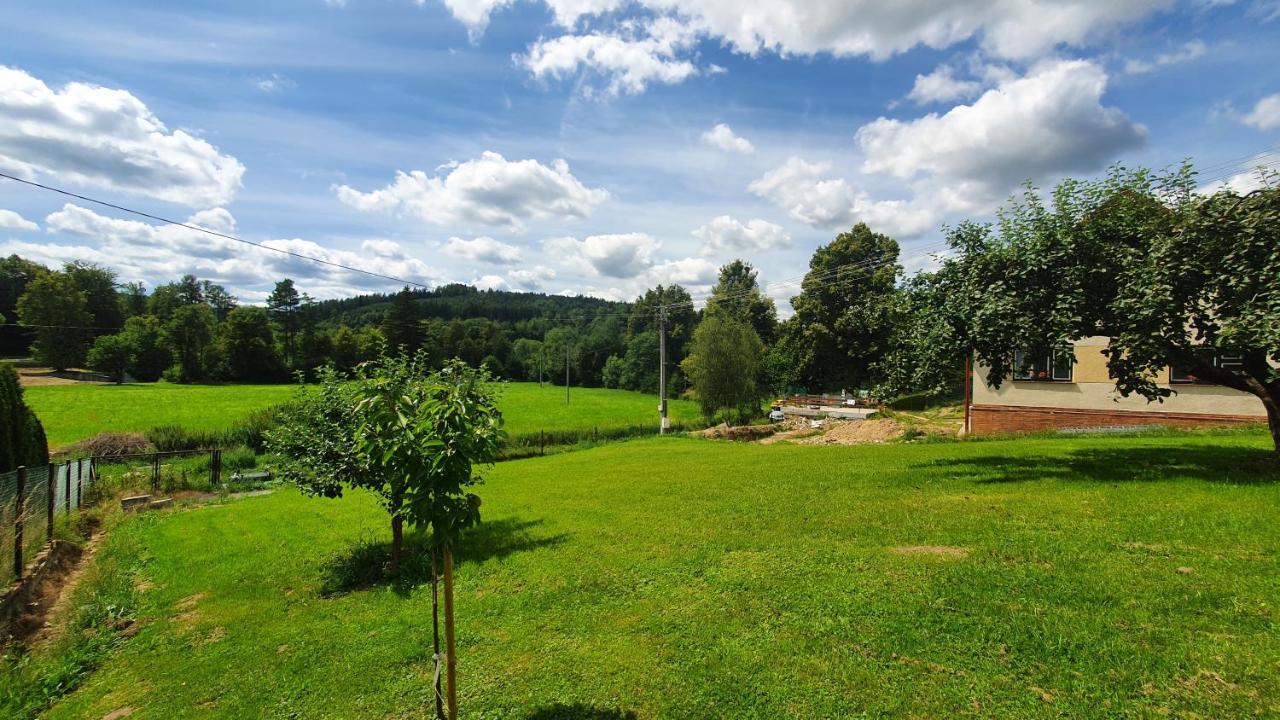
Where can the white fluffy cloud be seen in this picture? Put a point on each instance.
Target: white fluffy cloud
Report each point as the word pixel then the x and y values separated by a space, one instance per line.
pixel 1004 28
pixel 1047 122
pixel 942 85
pixel 623 255
pixel 690 272
pixel 1265 114
pixel 10 220
pixel 629 60
pixel 484 249
pixel 161 253
pixel 1188 52
pixel 804 190
pixel 101 136
pixel 724 233
pixel 490 282
pixel 530 279
pixel 722 136
pixel 489 190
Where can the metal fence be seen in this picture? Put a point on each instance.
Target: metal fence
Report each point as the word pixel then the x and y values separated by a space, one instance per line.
pixel 30 501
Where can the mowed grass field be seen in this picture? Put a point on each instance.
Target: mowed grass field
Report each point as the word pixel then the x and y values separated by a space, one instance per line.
pixel 75 412
pixel 1084 577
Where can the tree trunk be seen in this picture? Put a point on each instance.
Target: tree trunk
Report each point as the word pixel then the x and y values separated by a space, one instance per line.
pixel 397 541
pixel 435 632
pixel 451 664
pixel 1273 422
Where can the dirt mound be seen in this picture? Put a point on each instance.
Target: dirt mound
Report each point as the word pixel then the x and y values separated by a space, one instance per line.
pixel 857 432
pixel 740 432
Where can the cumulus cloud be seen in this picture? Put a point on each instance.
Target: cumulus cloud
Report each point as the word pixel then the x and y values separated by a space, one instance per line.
pixel 94 135
pixel 530 279
pixel 724 233
pixel 1242 183
pixel 489 190
pixel 690 272
pixel 942 85
pixel 160 253
pixel 1265 114
pixel 484 249
pixel 489 282
pixel 1188 52
pixel 1050 121
pixel 10 220
pixel 1017 29
pixel 722 136
pixel 805 192
pixel 623 255
pixel 628 60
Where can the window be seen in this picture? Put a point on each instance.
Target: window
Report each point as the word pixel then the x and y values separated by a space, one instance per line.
pixel 1044 368
pixel 1182 376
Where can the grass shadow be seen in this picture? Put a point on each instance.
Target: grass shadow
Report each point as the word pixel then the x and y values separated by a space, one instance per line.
pixel 578 711
pixel 1231 465
pixel 367 564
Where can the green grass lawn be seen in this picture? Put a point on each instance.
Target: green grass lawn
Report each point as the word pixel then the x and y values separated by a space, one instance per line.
pixel 677 578
pixel 75 412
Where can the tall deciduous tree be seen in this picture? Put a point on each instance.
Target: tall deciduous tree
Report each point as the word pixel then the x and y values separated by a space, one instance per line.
pixel 737 292
pixel 59 314
pixel 724 366
pixel 111 354
pixel 839 329
pixel 248 347
pixel 1172 277
pixel 151 353
pixel 190 333
pixel 98 284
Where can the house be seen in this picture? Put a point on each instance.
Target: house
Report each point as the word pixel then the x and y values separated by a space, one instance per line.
pixel 1053 392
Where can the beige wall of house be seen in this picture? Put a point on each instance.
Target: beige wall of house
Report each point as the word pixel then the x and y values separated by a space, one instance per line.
pixel 1091 388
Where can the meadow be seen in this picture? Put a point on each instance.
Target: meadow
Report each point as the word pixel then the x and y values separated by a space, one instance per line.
pixel 75 412
pixel 1085 577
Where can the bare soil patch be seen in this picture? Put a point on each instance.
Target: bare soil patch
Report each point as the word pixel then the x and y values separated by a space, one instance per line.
pixel 950 551
pixel 857 432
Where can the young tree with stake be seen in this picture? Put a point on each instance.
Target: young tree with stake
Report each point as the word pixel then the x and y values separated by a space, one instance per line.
pixel 415 438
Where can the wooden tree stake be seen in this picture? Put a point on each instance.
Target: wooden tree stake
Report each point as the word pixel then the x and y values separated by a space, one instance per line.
pixel 451 664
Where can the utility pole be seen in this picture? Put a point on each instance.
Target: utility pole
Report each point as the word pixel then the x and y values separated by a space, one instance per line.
pixel 664 424
pixel 542 351
pixel 566 374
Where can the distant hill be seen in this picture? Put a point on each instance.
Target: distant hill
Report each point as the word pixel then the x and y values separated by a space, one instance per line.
pixel 463 302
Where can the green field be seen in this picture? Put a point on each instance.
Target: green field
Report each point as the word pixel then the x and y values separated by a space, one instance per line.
pixel 1039 577
pixel 75 412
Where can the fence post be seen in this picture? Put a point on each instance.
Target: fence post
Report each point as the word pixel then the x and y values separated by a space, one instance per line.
pixel 67 489
pixel 155 472
pixel 80 483
pixel 52 486
pixel 19 521
pixel 215 465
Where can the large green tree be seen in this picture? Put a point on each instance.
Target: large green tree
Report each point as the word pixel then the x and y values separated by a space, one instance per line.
pixel 59 314
pixel 402 326
pixel 840 326
pixel 283 305
pixel 737 292
pixel 247 346
pixel 190 333
pixel 151 354
pixel 1172 277
pixel 98 284
pixel 724 366
pixel 22 440
pixel 926 347
pixel 111 354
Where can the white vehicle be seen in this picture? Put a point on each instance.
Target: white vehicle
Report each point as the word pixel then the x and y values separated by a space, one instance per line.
pixel 776 415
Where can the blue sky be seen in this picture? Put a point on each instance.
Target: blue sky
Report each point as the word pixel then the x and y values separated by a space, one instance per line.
pixel 593 146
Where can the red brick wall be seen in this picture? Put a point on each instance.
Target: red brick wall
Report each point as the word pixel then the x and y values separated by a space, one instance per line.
pixel 990 419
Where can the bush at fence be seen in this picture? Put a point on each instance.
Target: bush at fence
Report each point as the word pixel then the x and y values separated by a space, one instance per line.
pixel 249 433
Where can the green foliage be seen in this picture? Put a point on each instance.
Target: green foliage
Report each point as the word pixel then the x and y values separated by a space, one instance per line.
pixel 22 440
pixel 411 436
pixel 15 274
pixel 724 366
pixel 841 326
pixel 737 292
pixel 54 304
pixel 149 346
pixel 190 333
pixel 401 327
pixel 1170 276
pixel 247 347
pixel 111 354
pixel 926 346
pixel 98 284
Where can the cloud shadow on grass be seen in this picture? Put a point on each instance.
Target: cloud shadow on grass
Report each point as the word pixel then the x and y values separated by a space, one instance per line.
pixel 1231 465
pixel 578 711
pixel 367 565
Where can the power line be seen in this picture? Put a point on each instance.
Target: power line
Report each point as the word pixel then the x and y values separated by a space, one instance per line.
pixel 215 233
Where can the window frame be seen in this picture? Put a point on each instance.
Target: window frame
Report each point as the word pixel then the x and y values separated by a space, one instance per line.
pixel 1047 370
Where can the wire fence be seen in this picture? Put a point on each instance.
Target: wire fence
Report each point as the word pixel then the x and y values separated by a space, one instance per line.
pixel 31 499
